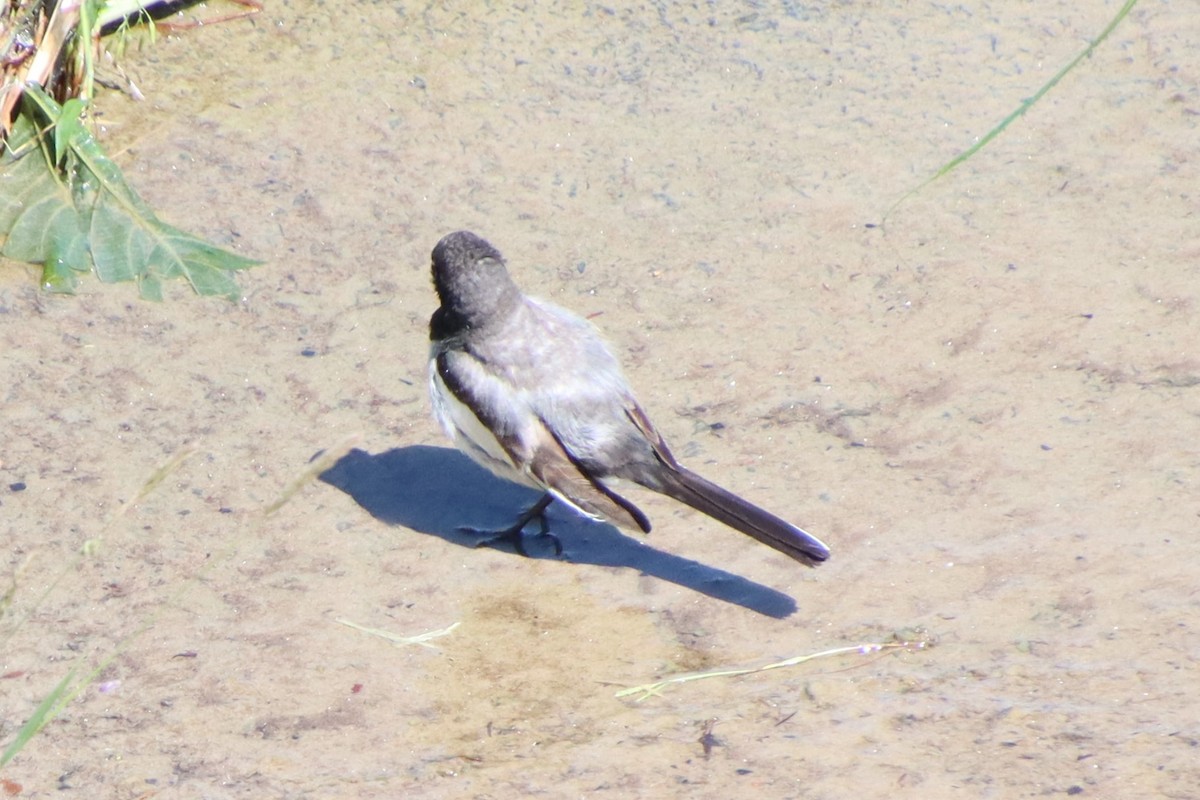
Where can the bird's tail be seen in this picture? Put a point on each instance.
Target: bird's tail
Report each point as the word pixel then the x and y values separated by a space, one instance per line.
pixel 705 496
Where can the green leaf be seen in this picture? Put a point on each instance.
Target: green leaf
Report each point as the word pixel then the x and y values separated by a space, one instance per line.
pixel 145 248
pixel 73 211
pixel 58 270
pixel 38 214
pixel 68 127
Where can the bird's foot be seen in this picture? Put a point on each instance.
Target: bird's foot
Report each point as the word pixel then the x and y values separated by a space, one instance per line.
pixel 515 534
pixel 515 537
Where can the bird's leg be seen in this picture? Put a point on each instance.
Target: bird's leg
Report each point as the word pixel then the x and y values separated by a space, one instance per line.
pixel 515 534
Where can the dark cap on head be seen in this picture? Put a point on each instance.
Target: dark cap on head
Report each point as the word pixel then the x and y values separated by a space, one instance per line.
pixel 470 278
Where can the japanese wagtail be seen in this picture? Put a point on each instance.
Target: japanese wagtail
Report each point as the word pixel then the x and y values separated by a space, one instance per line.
pixel 532 392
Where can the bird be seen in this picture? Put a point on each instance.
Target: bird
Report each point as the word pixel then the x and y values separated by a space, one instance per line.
pixel 533 393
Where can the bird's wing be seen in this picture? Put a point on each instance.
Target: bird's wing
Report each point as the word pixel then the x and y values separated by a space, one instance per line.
pixel 564 475
pixel 642 422
pixel 524 440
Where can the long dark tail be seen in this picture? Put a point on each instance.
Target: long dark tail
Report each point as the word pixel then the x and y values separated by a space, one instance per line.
pixel 703 495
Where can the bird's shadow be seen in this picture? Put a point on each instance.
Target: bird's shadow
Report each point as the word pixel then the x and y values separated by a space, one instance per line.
pixel 436 490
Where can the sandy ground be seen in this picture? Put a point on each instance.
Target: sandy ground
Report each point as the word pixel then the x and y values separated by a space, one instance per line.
pixel 986 403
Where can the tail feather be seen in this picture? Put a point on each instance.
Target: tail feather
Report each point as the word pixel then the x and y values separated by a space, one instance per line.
pixel 705 496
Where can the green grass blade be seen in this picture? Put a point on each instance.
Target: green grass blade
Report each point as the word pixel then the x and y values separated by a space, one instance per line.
pixel 1025 105
pixel 46 711
pixel 69 688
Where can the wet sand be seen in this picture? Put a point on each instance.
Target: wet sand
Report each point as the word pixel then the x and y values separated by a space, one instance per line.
pixel 985 403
